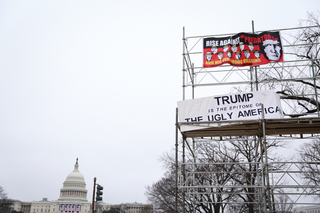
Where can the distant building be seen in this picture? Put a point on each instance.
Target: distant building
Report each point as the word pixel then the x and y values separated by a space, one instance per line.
pixel 137 208
pixel 73 199
pixel 307 209
pixel 131 208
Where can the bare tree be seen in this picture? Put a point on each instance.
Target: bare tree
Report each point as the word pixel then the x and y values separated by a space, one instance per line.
pixel 299 92
pixel 214 171
pixel 248 171
pixel 162 193
pixel 211 172
pixel 310 154
pixel 217 167
pixel 5 203
pixel 282 203
pixel 310 37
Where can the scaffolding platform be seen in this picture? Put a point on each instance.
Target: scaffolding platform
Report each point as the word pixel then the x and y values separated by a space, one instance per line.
pixel 286 126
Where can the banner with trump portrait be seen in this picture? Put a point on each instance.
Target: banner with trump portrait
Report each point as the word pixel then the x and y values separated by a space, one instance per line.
pixel 243 49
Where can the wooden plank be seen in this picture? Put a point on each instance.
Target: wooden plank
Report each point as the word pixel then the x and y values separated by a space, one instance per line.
pixel 250 128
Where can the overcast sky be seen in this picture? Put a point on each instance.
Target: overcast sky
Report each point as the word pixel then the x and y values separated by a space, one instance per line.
pixel 99 81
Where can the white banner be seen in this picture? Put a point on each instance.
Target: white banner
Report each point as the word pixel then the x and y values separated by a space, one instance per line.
pixel 231 107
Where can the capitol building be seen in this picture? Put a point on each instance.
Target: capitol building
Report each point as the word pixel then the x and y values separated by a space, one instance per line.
pixel 73 199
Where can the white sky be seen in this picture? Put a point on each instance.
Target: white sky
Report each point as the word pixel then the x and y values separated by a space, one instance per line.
pixel 99 81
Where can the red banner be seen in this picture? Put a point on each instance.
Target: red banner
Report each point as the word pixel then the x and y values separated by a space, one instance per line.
pixel 243 49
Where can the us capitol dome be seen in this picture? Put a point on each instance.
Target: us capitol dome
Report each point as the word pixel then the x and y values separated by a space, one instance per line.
pixel 74 187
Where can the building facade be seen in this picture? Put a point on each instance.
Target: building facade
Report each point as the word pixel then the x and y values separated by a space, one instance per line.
pixel 307 209
pixel 137 208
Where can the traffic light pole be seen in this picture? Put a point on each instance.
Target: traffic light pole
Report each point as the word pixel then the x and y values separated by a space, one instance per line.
pixel 94 192
pixel 99 194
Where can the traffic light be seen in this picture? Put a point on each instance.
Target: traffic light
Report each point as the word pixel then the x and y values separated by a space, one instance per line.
pixel 267 201
pixel 99 193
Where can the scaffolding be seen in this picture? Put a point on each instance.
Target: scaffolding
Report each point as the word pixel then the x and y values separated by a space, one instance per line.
pixel 266 184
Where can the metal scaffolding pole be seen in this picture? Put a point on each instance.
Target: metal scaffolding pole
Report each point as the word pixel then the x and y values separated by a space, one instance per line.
pixel 183 174
pixel 177 162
